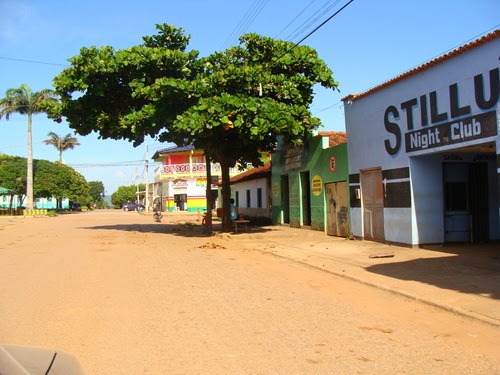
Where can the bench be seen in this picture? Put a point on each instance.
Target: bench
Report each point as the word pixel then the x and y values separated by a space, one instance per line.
pixel 241 224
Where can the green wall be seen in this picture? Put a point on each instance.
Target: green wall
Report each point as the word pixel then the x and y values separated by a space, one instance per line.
pixel 314 158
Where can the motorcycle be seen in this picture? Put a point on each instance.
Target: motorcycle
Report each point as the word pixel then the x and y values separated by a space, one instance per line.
pixel 157 216
pixel 157 212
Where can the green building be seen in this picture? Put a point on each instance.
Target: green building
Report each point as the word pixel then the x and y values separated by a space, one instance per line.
pixel 310 184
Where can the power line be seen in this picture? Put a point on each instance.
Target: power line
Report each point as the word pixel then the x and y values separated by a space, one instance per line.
pixel 292 21
pixel 324 22
pixel 315 17
pixel 246 21
pixel 32 61
pixel 326 108
pixel 110 164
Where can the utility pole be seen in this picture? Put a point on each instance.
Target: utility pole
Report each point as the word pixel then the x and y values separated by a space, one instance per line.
pixel 147 178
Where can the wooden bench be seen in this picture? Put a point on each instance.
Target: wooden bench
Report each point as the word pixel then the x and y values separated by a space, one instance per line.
pixel 241 223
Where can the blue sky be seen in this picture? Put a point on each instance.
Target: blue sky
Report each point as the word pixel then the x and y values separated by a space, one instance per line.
pixel 366 44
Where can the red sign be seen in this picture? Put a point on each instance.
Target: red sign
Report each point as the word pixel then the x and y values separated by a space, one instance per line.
pixel 333 163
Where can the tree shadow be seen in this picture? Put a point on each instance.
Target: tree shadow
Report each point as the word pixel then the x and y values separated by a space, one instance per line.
pixel 472 269
pixel 186 229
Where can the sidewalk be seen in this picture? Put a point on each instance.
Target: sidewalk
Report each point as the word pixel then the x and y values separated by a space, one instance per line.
pixel 463 279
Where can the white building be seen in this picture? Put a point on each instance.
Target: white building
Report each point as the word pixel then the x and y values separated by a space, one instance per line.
pixel 251 191
pixel 424 151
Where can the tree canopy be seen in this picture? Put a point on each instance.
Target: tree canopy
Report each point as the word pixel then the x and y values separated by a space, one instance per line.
pixel 232 104
pixel 101 91
pixel 50 179
pixel 68 142
pixel 126 194
pixel 96 191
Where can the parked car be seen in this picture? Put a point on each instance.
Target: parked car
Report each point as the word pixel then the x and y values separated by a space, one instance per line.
pixel 76 207
pixel 132 206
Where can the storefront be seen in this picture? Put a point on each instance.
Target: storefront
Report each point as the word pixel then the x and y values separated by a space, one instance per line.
pixel 309 184
pixel 424 151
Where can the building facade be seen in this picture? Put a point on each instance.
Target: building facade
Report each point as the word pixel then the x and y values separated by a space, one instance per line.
pixel 180 183
pixel 309 184
pixel 13 202
pixel 424 151
pixel 251 191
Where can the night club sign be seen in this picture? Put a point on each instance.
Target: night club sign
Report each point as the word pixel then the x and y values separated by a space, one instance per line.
pixel 436 129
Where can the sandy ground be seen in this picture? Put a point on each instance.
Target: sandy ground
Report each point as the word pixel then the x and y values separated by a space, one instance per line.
pixel 129 296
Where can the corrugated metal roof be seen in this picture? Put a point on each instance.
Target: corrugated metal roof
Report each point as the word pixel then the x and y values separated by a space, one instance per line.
pixel 172 150
pixel 427 65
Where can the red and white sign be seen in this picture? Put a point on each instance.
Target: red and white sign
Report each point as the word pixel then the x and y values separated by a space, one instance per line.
pixel 333 163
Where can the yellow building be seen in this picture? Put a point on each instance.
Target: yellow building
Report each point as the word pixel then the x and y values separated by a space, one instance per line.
pixel 180 183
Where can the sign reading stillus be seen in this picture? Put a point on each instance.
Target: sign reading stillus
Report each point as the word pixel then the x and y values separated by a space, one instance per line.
pixel 457 124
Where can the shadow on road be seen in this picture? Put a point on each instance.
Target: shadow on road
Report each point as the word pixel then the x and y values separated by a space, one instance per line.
pixel 179 229
pixel 473 269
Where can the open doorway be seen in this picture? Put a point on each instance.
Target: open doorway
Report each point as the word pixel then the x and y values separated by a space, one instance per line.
pixel 285 199
pixel 180 201
pixel 466 209
pixel 305 188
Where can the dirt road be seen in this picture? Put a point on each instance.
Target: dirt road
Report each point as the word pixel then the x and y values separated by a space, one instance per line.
pixel 130 296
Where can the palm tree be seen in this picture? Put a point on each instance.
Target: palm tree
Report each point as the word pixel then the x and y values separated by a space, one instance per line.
pixel 26 102
pixel 62 144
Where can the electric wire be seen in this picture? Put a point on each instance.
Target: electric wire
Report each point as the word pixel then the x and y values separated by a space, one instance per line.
pixel 250 15
pixel 32 61
pixel 292 21
pixel 108 164
pixel 324 22
pixel 312 32
pixel 236 30
pixel 311 21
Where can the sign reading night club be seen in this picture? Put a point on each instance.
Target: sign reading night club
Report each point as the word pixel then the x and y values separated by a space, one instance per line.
pixel 436 129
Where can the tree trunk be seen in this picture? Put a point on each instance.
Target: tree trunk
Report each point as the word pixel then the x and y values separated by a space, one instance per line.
pixel 209 194
pixel 226 196
pixel 29 168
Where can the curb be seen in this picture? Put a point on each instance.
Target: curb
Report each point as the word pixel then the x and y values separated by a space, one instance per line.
pixel 460 312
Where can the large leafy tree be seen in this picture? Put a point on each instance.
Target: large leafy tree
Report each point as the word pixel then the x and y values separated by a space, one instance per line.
pixel 26 102
pixel 249 96
pixel 13 174
pixel 68 142
pixel 58 180
pixel 126 194
pixel 97 192
pixel 100 91
pixel 51 179
pixel 233 104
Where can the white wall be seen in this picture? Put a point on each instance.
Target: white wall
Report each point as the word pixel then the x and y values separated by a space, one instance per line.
pixel 373 121
pixel 427 195
pixel 365 117
pixel 252 185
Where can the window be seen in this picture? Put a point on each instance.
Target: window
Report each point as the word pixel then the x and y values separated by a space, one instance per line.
pixel 456 196
pixel 237 199
pixel 249 201
pixel 259 197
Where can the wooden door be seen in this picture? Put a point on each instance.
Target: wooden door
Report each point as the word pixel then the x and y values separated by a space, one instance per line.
pixel 372 191
pixel 337 214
